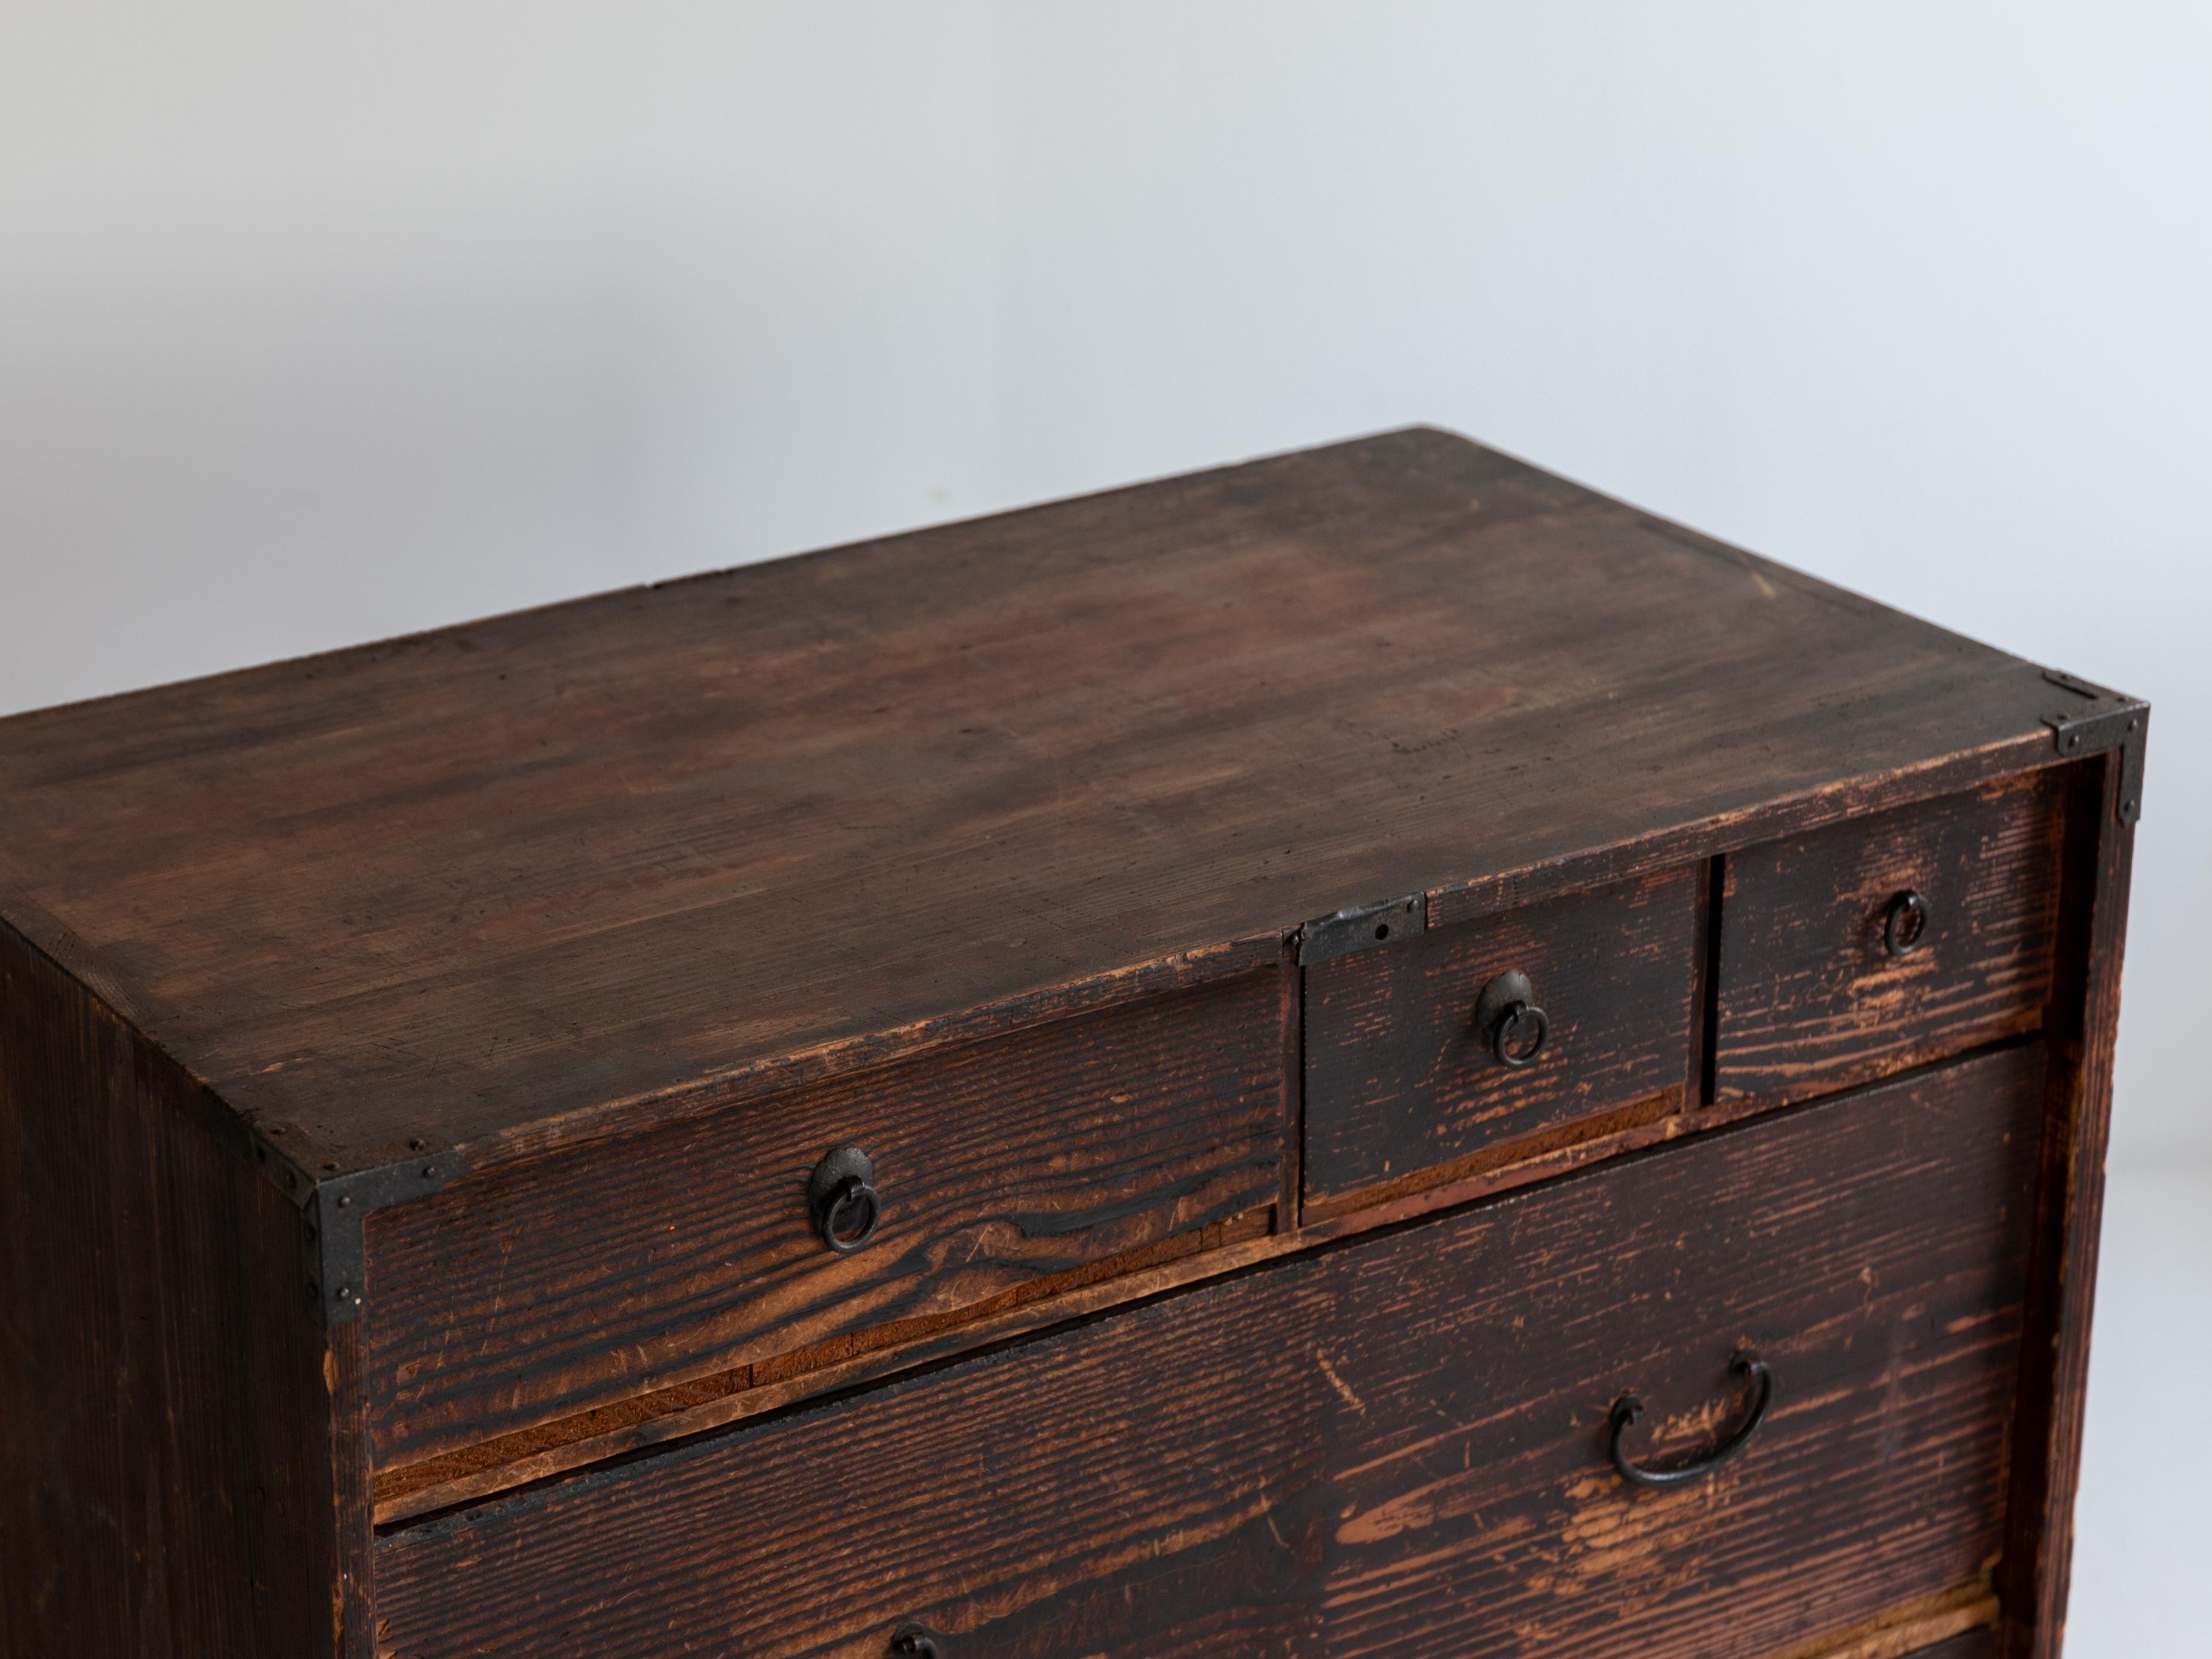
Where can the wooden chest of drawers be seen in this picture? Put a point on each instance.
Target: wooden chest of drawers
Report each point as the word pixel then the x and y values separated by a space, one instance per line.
pixel 1366 1053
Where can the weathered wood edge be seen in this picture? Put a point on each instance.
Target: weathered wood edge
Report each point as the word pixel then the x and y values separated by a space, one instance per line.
pixel 2081 1026
pixel 313 1179
pixel 1922 1627
pixel 1449 900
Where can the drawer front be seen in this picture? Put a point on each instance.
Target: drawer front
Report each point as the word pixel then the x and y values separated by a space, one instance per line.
pixel 1402 1086
pixel 1825 976
pixel 687 1262
pixel 1398 1448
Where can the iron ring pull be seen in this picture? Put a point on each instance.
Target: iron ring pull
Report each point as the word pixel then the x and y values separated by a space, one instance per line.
pixel 855 1197
pixel 1905 928
pixel 842 1195
pixel 1629 1408
pixel 911 1642
pixel 1507 1018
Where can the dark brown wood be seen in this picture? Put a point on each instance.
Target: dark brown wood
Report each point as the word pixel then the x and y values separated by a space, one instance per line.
pixel 1402 1089
pixel 2082 1024
pixel 494 1466
pixel 1811 1000
pixel 1974 1644
pixel 1394 1447
pixel 514 978
pixel 605 1272
pixel 1873 1251
pixel 539 875
pixel 170 1480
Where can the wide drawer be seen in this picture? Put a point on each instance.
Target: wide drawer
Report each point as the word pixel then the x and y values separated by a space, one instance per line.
pixel 673 1266
pixel 1399 1447
pixel 1405 1082
pixel 1889 941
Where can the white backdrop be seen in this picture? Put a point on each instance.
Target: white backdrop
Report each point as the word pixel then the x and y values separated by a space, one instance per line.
pixel 319 323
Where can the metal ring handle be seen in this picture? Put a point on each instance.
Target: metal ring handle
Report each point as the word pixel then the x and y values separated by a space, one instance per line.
pixel 912 1641
pixel 840 1234
pixel 1509 1022
pixel 1628 1408
pixel 841 1194
pixel 1519 1017
pixel 1905 930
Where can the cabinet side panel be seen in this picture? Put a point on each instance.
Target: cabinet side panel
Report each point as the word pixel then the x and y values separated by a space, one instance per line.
pixel 2082 1025
pixel 167 1482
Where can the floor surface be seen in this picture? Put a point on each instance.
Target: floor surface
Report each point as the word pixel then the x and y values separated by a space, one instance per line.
pixel 2142 1532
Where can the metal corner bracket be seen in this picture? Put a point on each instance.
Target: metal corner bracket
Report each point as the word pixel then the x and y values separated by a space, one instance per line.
pixel 1361 925
pixel 337 1273
pixel 2112 720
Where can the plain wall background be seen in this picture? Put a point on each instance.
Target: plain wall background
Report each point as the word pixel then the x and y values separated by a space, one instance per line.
pixel 319 324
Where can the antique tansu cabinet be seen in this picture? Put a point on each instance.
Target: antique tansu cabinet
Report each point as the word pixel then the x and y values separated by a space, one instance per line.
pixel 1367 1054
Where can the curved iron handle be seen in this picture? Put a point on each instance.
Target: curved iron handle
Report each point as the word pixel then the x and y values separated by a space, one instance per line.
pixel 1508 1020
pixel 855 1196
pixel 1628 1408
pixel 842 1195
pixel 1519 1017
pixel 1905 929
pixel 912 1641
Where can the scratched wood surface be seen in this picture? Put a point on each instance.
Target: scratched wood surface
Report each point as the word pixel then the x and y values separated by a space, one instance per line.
pixel 169 1479
pixel 1400 1085
pixel 1395 1449
pixel 561 1284
pixel 1810 998
pixel 473 886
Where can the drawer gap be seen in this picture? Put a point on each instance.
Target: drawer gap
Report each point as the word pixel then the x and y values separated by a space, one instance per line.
pixel 1709 986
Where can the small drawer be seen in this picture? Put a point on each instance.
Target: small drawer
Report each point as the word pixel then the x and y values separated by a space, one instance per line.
pixel 658 1272
pixel 1886 942
pixel 1410 1080
pixel 1404 1447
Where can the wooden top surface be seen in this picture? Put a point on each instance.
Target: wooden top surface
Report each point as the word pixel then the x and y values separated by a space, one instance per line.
pixel 469 887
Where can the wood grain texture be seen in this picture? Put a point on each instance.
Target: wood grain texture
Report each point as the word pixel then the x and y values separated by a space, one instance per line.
pixel 611 1270
pixel 1397 1448
pixel 170 1481
pixel 1810 999
pixel 1912 1631
pixel 643 1421
pixel 1400 1087
pixel 1874 1252
pixel 485 886
pixel 2082 1026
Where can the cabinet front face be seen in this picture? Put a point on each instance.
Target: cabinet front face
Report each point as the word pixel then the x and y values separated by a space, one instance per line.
pixel 1889 941
pixel 1471 1044
pixel 1408 1446
pixel 699 1259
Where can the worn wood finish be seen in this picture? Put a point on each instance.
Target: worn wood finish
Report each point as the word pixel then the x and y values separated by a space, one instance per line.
pixel 1402 1090
pixel 606 1272
pixel 1398 1448
pixel 643 1421
pixel 1809 997
pixel 1874 1252
pixel 170 1482
pixel 2082 1026
pixel 501 883
pixel 1954 1624
pixel 411 1058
